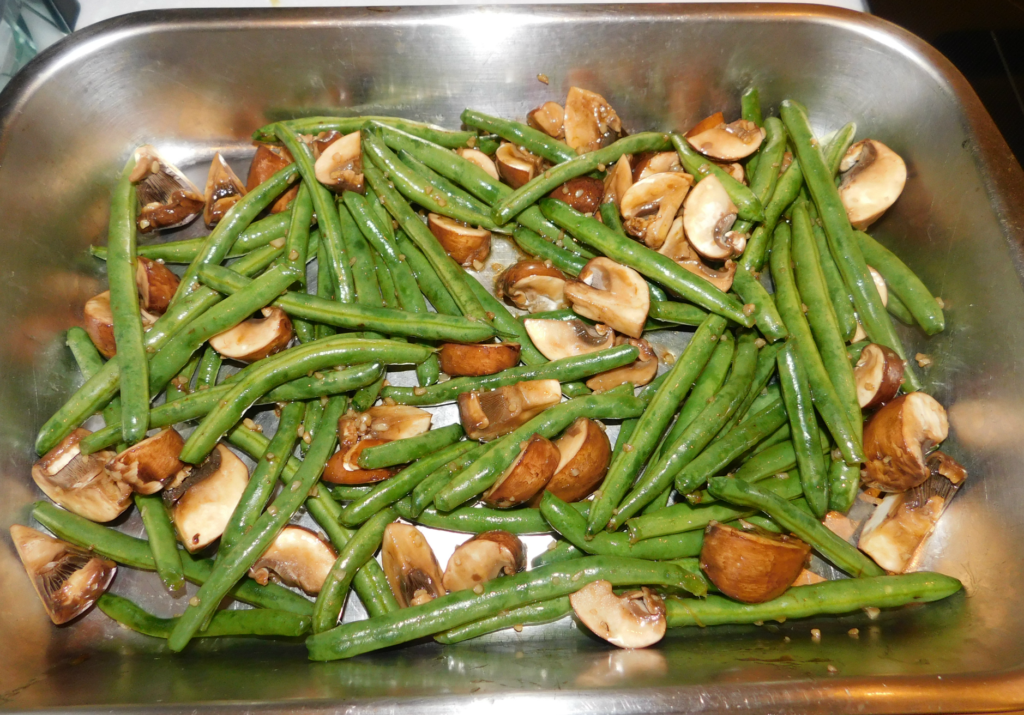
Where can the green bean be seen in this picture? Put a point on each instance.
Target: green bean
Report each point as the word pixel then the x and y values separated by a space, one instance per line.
pixel 177 389
pixel 162 540
pixel 763 372
pixel 538 247
pixel 347 125
pixel 853 351
pixel 462 607
pixel 803 426
pixel 423 494
pixel 575 389
pixel 786 191
pixel 822 539
pixel 348 492
pixel 765 313
pixel 904 283
pixel 477 519
pixel 208 369
pixel 558 550
pixel 410 449
pixel 839 297
pixel 773 460
pixel 674 312
pixel 388 294
pixel 532 614
pixel 451 191
pixel 750 207
pixel 503 320
pixel 750 106
pixel 899 310
pixel 90 363
pixel 778 437
pixel 430 285
pixel 296 245
pixel 764 174
pixel 356 553
pixel 530 139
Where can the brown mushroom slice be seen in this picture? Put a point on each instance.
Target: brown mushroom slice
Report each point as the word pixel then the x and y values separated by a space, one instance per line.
pixel 81 483
pixel 410 566
pixel 68 579
pixel 872 178
pixel 583 193
pixel 708 217
pixel 617 182
pixel 467 245
pixel 223 190
pixel 343 467
pixel 751 565
pixel 639 372
pixel 340 165
pixel 656 163
pixel 725 142
pixel 527 476
pixel 98 321
pixel 878 375
pixel 883 289
pixel 156 283
pixel 488 414
pixel 475 156
pixel 484 558
pixel 897 438
pixel 391 422
pixel 548 118
pixel 611 293
pixel 256 338
pixel 167 198
pixel 151 464
pixel 534 286
pixel 213 490
pixel 679 250
pixel 590 122
pixel 556 339
pixel 297 557
pixel 458 360
pixel 584 453
pixel 267 161
pixel 516 166
pixel 635 619
pixel 650 206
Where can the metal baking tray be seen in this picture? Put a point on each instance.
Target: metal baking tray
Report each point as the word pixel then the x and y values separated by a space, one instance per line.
pixel 198 81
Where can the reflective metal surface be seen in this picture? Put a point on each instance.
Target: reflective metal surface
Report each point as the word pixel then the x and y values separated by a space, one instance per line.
pixel 194 82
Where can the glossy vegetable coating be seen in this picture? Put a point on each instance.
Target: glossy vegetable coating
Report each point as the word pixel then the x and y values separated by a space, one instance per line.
pixel 803 428
pixel 531 614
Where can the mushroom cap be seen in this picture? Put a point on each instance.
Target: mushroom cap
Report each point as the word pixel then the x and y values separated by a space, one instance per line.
pixel 708 216
pixel 639 372
pixel 896 439
pixel 266 162
pixel 548 118
pixel 167 199
pixel 515 165
pixel 459 360
pixel 343 467
pixel 656 163
pixel 725 142
pixel 526 476
pixel 340 165
pixel 223 190
pixel 157 284
pixel 679 250
pixel 590 122
pixel 298 557
pixel 633 620
pixel 534 286
pixel 618 181
pixel 556 339
pixel 475 156
pixel 484 558
pixel 467 245
pixel 582 193
pixel 873 177
pixel 488 414
pixel 751 565
pixel 650 206
pixel 583 456
pixel 611 293
pixel 878 375
pixel 81 483
pixel 205 508
pixel 98 321
pixel 256 338
pixel 410 565
pixel 151 464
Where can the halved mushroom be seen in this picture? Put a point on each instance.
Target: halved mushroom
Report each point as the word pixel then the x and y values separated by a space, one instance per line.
pixel 735 170
pixel 548 118
pixel 475 156
pixel 617 182
pixel 256 338
pixel 516 166
pixel 584 452
pixel 639 372
pixel 872 178
pixel 878 374
pixel 679 250
pixel 527 476
pixel 611 293
pixel 151 464
pixel 590 122
pixel 656 163
pixel 410 566
pixel 80 483
pixel 897 438
pixel 532 285
pixel 714 138
pixel 488 414
pixel 883 289
pixel 582 193
pixel 208 497
pixel 556 339
pixel 297 557
pixel 167 198
pixel 708 216
pixel 156 284
pixel 68 579
pixel 459 360
pixel 267 161
pixel 343 466
pixel 650 206
pixel 467 245
pixel 340 166
pixel 633 620
pixel 98 321
pixel 484 558
pixel 384 422
pixel 751 565
pixel 223 190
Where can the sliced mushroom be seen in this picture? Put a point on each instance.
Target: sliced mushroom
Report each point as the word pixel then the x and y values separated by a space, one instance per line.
pixel 617 182
pixel 297 557
pixel 384 422
pixel 467 245
pixel 872 178
pixel 410 566
pixel 679 250
pixel 656 163
pixel 807 578
pixel 897 438
pixel 475 156
pixel 340 166
pixel 223 190
pixel 267 161
pixel 878 374
pixel 488 414
pixel 708 216
pixel 527 476
pixel 532 285
pixel 611 293
pixel 650 206
pixel 343 467
pixel 751 565
pixel 167 198
pixel 68 579
pixel 213 490
pixel 735 170
pixel 81 483
pixel 714 138
pixel 516 166
pixel 256 338
pixel 99 323
pixel 584 452
pixel 151 464
pixel 590 122
pixel 633 620
pixel 883 289
pixel 556 339
pixel 484 558
pixel 639 372
pixel 583 193
pixel 156 284
pixel 459 360
pixel 548 118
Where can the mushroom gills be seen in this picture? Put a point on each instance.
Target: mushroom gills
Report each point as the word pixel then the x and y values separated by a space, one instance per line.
pixel 489 414
pixel 223 190
pixel 679 250
pixel 708 217
pixel 297 557
pixel 533 286
pixel 484 558
pixel 636 619
pixel 611 293
pixel 650 206
pixel 410 566
pixel 167 199
pixel 557 339
pixel 81 483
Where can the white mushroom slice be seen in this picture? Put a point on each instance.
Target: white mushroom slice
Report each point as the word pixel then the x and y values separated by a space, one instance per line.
pixel 256 338
pixel 211 492
pixel 391 422
pixel 883 289
pixel 533 286
pixel 556 339
pixel 516 166
pixel 475 156
pixel 878 375
pixel 99 323
pixel 151 464
pixel 639 372
pixel 298 557
pixel 897 438
pixel 467 245
pixel 590 122
pixel 679 250
pixel 708 216
pixel 223 190
pixel 549 118
pixel 873 177
pixel 410 566
pixel 79 483
pixel 340 166
pixel 735 170
pixel 611 293
pixel 632 620
pixel 488 414
pixel 167 198
pixel 618 181
pixel 725 142
pixel 484 558
pixel 68 579
pixel 650 206
pixel 656 163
